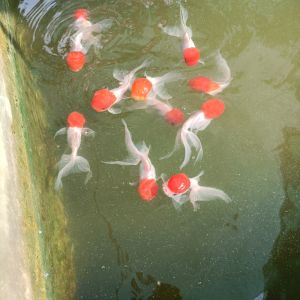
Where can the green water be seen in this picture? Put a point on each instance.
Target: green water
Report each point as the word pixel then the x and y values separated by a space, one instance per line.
pixel 122 246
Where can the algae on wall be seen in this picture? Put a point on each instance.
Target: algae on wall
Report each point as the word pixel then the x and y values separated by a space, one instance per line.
pixel 48 247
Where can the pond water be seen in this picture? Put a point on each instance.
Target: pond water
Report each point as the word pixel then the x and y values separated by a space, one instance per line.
pixel 128 249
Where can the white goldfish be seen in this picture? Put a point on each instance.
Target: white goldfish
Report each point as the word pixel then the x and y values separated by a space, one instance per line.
pixel 139 154
pixel 181 189
pixel 84 38
pixel 187 134
pixel 191 53
pixel 213 87
pixel 73 163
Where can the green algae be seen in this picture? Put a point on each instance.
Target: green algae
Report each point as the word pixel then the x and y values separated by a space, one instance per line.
pixel 48 248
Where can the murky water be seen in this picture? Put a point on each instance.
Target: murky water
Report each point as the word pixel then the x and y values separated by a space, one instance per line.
pixel 124 247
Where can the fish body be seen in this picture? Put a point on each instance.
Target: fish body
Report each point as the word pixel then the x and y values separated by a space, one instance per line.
pixel 73 163
pixel 181 189
pixel 139 155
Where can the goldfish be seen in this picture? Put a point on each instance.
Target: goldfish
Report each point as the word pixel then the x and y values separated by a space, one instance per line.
pixel 212 87
pixel 105 99
pixel 172 115
pixel 83 38
pixel 139 154
pixel 198 121
pixel 73 163
pixel 191 53
pixel 145 87
pixel 181 189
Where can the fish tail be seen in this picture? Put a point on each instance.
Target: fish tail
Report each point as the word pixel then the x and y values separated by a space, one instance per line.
pixel 176 146
pixel 131 75
pixel 159 83
pixel 224 69
pixel 187 147
pixel 183 17
pixel 68 165
pixel 202 193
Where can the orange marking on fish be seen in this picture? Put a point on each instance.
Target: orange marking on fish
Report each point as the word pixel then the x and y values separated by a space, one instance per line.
pixel 175 116
pixel 213 108
pixel 76 119
pixel 203 84
pixel 75 60
pixel 191 56
pixel 141 88
pixel 179 183
pixel 148 189
pixel 102 100
pixel 81 13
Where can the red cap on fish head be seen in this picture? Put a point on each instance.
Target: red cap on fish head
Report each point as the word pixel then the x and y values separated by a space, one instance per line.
pixel 81 13
pixel 75 60
pixel 179 183
pixel 102 100
pixel 213 108
pixel 76 119
pixel 191 56
pixel 203 84
pixel 140 89
pixel 175 116
pixel 148 189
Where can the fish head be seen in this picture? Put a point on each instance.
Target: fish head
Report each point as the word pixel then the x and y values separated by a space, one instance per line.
pixel 191 56
pixel 75 60
pixel 175 116
pixel 203 84
pixel 148 189
pixel 75 119
pixel 102 100
pixel 81 13
pixel 176 185
pixel 140 89
pixel 213 108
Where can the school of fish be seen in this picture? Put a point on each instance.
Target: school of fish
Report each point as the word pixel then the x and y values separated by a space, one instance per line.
pixel 147 92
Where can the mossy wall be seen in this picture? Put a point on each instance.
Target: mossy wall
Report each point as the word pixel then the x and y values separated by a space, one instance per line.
pixel 48 248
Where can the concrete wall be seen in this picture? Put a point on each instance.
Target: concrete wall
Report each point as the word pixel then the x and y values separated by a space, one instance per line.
pixel 35 251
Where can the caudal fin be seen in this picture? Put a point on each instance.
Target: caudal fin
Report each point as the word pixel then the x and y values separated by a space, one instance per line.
pixel 190 140
pixel 100 26
pixel 68 165
pixel 158 83
pixel 202 193
pixel 225 72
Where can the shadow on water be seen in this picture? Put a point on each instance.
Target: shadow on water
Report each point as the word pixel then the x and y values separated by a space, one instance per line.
pixel 136 284
pixel 282 271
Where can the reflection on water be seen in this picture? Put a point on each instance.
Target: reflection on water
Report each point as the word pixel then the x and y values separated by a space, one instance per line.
pixel 282 272
pixel 218 252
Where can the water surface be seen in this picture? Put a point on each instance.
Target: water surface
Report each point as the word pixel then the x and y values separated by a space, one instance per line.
pixel 124 247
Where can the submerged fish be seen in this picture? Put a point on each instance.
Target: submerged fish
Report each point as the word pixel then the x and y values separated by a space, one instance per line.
pixel 213 87
pixel 73 163
pixel 83 38
pixel 105 99
pixel 187 134
pixel 181 189
pixel 172 115
pixel 191 54
pixel 139 154
pixel 143 88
